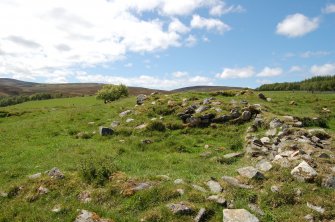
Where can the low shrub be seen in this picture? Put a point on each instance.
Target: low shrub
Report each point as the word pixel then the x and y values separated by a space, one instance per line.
pixel 156 126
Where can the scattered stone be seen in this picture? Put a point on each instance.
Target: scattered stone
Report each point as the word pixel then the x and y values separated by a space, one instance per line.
pixel 56 173
pixel 234 182
pixel 265 140
pixel 3 194
pixel 179 181
pixel 142 126
pixel 57 208
pixel 42 190
pixel 246 116
pixel 275 123
pixel 281 161
pixel 207 101
pixel 91 123
pixel 269 99
pixel 264 165
pixel 105 131
pixel 218 199
pixel 124 113
pixel 316 208
pixel 329 182
pixel 320 133
pixel 255 208
pixel 200 216
pixel 201 109
pixel 115 124
pixel 324 155
pixel 163 177
pixel 140 99
pixel 271 132
pixel 238 215
pixel 214 186
pixel 275 189
pixel 153 103
pixel 180 208
pixel 35 176
pixel 293 103
pixel 205 154
pixel 141 186
pixel 250 172
pixel 129 120
pixel 146 141
pixel 86 216
pixel 171 103
pixel 304 172
pixel 85 197
pixel 199 188
pixel 206 146
pixel 233 155
pixel 309 218
pixel 262 96
pixel 298 124
pixel 180 191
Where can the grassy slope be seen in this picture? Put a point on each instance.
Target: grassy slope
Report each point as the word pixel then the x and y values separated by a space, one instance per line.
pixel 40 139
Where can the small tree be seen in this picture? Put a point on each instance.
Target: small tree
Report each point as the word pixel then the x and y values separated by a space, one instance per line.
pixel 110 93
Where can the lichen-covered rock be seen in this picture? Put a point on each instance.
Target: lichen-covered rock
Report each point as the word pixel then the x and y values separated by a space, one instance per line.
pixel 250 172
pixel 238 215
pixel 140 99
pixel 180 208
pixel 214 186
pixel 87 216
pixel 304 172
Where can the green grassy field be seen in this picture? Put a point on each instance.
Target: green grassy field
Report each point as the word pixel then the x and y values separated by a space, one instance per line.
pixel 40 135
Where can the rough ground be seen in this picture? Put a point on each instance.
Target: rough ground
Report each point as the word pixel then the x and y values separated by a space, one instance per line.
pixel 180 157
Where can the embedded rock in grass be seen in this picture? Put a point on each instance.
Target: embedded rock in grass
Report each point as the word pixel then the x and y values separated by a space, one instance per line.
pixel 319 133
pixel 221 119
pixel 180 208
pixel 329 182
pixel 115 124
pixel 201 215
pixel 234 182
pixel 207 101
pixel 275 123
pixel 214 186
pixel 105 131
pixel 35 176
pixel 304 172
pixel 142 126
pixel 146 141
pixel 238 215
pixel 199 188
pixel 85 197
pixel 232 155
pixel 56 173
pixel 124 113
pixel 42 190
pixel 129 120
pixel 271 132
pixel 87 216
pixel 316 208
pixel 234 114
pixel 262 96
pixel 250 172
pixel 141 186
pixel 256 209
pixel 140 99
pixel 218 199
pixel 201 109
pixel 246 116
pixel 264 165
pixel 179 181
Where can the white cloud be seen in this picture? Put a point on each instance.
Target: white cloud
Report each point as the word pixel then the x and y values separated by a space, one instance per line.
pixel 270 72
pixel 296 69
pixel 177 26
pixel 309 54
pixel 146 81
pixel 222 8
pixel 191 41
pixel 128 65
pixel 330 8
pixel 243 72
pixel 297 25
pixel 263 81
pixel 39 37
pixel 179 74
pixel 205 23
pixel 326 69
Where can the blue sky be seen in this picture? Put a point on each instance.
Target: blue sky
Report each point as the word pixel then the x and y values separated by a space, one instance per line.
pixel 167 44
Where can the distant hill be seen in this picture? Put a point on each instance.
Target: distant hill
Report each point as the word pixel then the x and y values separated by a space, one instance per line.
pixel 13 87
pixel 204 88
pixel 318 83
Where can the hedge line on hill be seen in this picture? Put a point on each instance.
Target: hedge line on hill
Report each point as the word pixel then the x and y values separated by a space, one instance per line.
pixel 12 100
pixel 318 83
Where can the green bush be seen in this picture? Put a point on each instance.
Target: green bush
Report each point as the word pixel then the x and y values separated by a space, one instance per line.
pixel 97 171
pixel 110 93
pixel 156 126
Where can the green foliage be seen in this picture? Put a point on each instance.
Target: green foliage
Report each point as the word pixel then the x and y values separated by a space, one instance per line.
pixel 110 93
pixel 12 100
pixel 318 83
pixel 97 171
pixel 156 126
